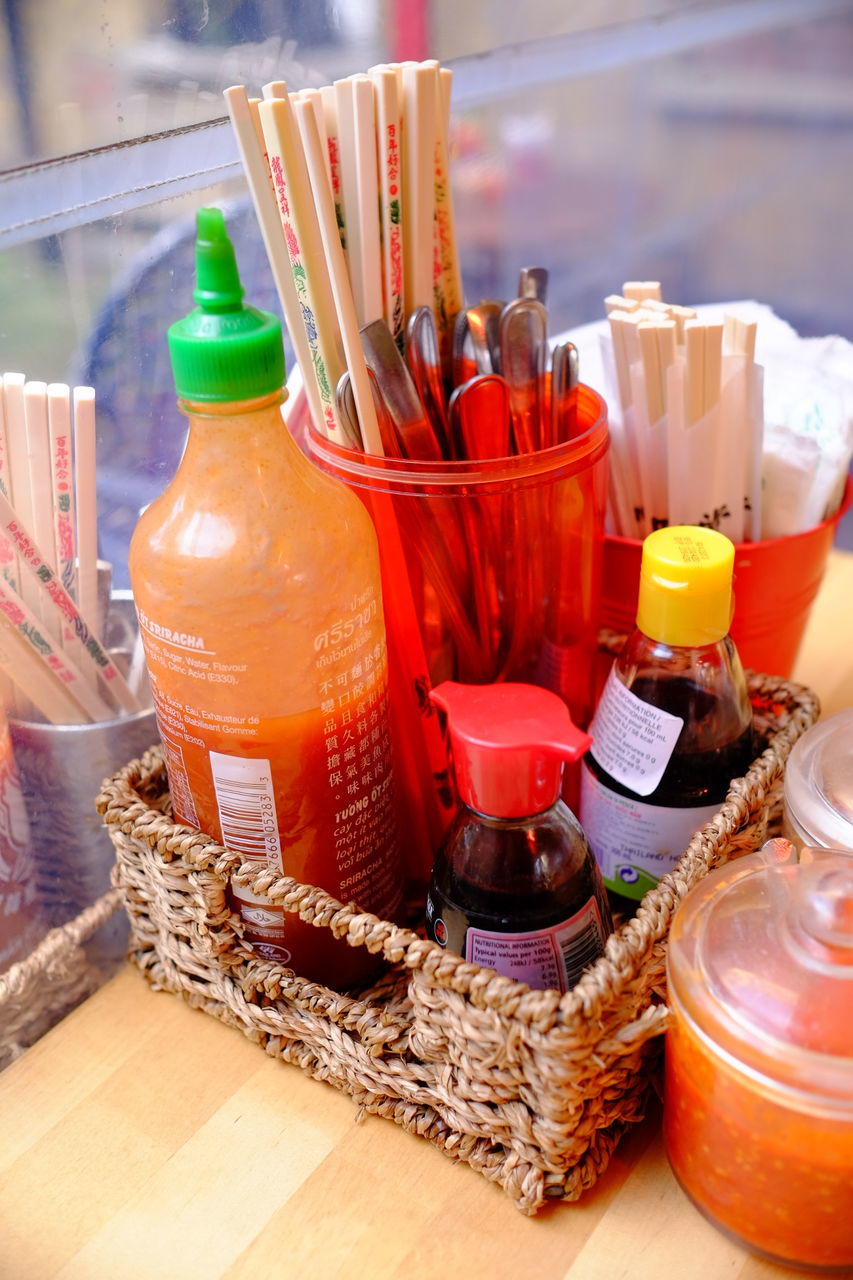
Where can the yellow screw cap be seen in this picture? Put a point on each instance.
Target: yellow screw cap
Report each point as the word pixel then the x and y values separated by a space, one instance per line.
pixel 686 586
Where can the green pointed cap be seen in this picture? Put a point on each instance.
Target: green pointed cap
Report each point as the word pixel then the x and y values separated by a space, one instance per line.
pixel 223 350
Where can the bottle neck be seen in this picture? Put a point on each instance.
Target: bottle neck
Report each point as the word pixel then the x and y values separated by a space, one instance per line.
pixel 678 655
pixel 519 820
pixel 677 643
pixel 240 428
pixel 262 407
pixel 244 437
pixel 704 684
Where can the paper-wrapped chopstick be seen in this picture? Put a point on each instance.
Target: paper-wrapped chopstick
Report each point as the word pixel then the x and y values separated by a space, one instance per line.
pixel 52 656
pixel 58 606
pixel 356 115
pixel 686 423
pixel 62 478
pixel 388 134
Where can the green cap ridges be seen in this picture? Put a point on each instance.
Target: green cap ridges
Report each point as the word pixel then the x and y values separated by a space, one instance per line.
pixel 223 350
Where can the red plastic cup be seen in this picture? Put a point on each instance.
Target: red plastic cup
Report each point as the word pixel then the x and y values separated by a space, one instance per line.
pixel 775 583
pixel 491 571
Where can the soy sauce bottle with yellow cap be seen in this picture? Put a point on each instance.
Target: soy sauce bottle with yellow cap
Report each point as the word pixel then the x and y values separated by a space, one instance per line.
pixel 674 723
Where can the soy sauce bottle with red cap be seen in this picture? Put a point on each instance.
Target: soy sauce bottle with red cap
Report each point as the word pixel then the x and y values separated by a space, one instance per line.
pixel 515 886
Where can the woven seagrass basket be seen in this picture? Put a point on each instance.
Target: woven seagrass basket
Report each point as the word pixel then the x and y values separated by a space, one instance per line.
pixel 531 1088
pixel 57 975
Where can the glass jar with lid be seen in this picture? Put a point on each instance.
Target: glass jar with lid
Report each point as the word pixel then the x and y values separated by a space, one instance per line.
pixel 758 1103
pixel 819 785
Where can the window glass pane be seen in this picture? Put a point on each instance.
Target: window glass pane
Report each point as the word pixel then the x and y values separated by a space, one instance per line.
pixel 78 75
pixel 91 307
pixel 721 170
pixel 718 165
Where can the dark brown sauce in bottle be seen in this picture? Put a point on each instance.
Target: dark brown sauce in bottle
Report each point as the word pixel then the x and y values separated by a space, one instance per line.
pixel 638 837
pixel 515 886
pixel 674 722
pixel 695 776
pixel 519 877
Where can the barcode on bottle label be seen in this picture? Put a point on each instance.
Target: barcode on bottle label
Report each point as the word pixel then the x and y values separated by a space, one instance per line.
pixel 554 957
pixel 246 803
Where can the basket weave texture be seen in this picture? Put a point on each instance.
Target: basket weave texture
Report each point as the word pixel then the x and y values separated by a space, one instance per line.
pixel 531 1088
pixel 57 975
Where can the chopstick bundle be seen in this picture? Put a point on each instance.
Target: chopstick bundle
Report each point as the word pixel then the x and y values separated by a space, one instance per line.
pixel 50 651
pixel 334 263
pixel 378 146
pixel 687 437
pixel 304 244
pixel 245 120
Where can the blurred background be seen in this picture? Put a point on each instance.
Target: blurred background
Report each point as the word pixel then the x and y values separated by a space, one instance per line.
pixel 707 145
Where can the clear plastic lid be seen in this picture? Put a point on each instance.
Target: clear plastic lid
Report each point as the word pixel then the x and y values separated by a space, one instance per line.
pixel 761 961
pixel 819 783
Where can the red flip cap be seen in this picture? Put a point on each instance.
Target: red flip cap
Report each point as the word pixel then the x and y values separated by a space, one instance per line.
pixel 509 744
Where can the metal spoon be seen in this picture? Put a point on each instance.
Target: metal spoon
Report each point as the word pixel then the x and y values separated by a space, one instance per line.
pixel 405 408
pixel 523 335
pixel 347 412
pixel 565 375
pixel 533 283
pixel 463 364
pixel 479 416
pixel 483 323
pixel 423 357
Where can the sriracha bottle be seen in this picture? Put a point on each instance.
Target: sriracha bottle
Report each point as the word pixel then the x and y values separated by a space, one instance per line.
pixel 256 581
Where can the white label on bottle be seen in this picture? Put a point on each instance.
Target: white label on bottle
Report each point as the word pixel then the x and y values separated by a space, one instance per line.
pixel 635 843
pixel 554 957
pixel 632 740
pixel 246 802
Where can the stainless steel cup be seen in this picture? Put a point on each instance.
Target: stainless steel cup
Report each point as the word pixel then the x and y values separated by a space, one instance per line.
pixel 61 768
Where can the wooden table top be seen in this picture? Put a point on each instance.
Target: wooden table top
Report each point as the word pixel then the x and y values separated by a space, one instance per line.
pixel 142 1138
